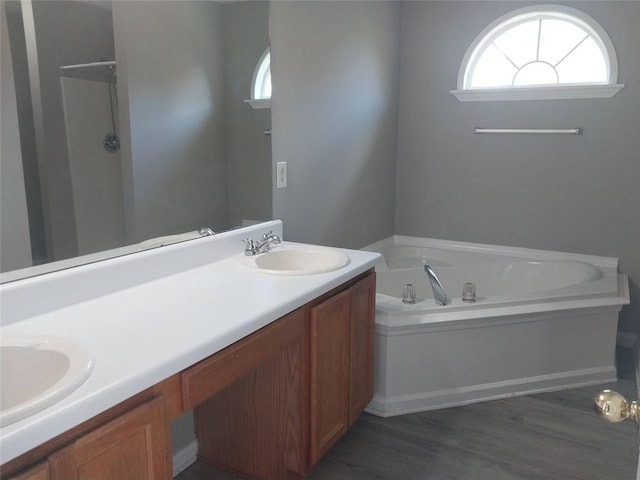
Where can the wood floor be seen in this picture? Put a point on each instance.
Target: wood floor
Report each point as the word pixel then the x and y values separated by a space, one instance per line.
pixel 545 436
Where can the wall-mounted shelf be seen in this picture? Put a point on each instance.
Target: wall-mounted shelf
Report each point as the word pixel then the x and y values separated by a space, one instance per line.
pixel 259 104
pixel 560 92
pixel 102 71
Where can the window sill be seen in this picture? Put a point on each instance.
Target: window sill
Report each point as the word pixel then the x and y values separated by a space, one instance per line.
pixel 534 93
pixel 259 104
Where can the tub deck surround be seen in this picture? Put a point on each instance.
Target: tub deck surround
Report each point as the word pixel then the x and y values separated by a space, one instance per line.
pixel 543 321
pixel 148 316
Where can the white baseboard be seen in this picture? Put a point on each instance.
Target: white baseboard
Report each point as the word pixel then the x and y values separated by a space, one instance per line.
pixel 185 457
pixel 455 397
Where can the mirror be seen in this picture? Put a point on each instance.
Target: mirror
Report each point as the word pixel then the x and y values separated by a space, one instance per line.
pixel 133 127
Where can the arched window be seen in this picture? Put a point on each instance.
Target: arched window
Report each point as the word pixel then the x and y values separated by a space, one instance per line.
pixel 261 83
pixel 541 52
pixel 261 86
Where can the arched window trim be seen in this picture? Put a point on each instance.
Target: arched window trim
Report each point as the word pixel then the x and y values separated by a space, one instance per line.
pixel 263 68
pixel 542 92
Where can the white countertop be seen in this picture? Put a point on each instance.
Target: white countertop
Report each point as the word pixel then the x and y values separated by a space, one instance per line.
pixel 148 331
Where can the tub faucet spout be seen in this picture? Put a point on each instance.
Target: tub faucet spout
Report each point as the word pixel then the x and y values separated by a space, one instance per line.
pixel 439 292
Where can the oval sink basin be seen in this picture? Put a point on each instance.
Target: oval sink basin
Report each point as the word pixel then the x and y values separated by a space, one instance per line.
pixel 294 260
pixel 36 371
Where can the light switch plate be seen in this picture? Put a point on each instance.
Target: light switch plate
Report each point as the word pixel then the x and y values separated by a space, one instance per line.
pixel 281 174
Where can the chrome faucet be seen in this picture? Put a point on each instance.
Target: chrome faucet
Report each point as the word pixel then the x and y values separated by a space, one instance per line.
pixel 206 231
pixel 439 292
pixel 268 241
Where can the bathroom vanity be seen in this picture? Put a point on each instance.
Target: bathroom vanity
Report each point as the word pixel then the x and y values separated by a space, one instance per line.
pixel 267 404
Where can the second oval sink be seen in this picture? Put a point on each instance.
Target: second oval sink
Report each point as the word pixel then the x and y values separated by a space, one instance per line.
pixel 298 260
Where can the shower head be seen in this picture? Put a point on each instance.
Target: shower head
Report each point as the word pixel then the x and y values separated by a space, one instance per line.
pixel 111 143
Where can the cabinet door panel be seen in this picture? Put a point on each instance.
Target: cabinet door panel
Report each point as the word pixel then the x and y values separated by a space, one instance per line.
pixel 39 472
pixel 363 298
pixel 134 446
pixel 329 373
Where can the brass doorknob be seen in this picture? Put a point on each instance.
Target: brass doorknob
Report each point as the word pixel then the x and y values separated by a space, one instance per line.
pixel 613 407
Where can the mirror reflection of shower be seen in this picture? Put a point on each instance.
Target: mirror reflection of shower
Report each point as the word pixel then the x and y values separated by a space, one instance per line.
pixel 90 107
pixel 175 176
pixel 111 141
pixel 106 72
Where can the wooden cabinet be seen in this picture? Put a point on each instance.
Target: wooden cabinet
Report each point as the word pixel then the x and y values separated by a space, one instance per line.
pixel 267 407
pixel 329 373
pixel 134 446
pixel 39 472
pixel 256 426
pixel 270 406
pixel 341 363
pixel 362 317
pixel 207 378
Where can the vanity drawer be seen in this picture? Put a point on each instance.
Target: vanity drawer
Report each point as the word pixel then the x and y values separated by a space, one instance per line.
pixel 208 377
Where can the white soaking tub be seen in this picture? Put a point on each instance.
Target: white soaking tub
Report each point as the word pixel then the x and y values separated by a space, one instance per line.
pixel 542 321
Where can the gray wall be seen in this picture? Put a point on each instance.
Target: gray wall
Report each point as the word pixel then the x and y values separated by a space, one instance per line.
pixel 567 193
pixel 15 249
pixel 246 36
pixel 170 64
pixel 334 114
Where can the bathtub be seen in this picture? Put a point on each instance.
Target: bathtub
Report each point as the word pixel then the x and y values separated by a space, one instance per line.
pixel 542 321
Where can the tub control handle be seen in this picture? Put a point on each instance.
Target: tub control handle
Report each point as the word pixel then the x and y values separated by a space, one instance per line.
pixel 613 407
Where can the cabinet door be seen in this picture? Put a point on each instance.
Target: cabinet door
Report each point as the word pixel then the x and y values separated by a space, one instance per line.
pixel 329 371
pixel 39 472
pixel 363 310
pixel 134 446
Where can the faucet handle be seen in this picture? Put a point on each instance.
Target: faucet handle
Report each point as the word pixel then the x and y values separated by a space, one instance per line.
pixel 267 235
pixel 250 246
